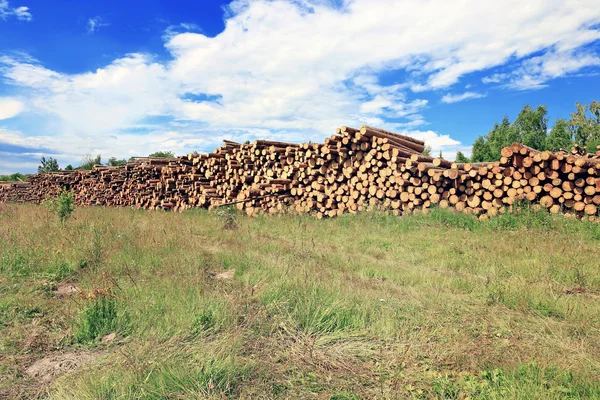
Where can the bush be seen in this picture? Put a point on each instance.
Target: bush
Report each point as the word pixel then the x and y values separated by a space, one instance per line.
pixel 228 216
pixel 62 205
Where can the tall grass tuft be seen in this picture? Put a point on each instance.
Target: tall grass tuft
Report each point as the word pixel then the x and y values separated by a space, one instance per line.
pixel 317 310
pixel 100 317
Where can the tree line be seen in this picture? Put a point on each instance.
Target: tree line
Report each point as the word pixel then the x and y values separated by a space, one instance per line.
pixel 88 161
pixel 531 129
pixel 13 177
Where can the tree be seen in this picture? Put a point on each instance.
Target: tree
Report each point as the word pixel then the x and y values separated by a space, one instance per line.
pixel 427 151
pixel 114 162
pixel 49 165
pixel 502 135
pixel 461 158
pixel 69 167
pixel 441 156
pixel 481 150
pixel 163 154
pixel 532 126
pixel 531 129
pixel 560 136
pixel 586 129
pixel 88 162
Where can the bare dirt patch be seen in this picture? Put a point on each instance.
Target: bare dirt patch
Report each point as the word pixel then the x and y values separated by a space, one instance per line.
pixel 66 289
pixel 49 368
pixel 225 275
pixel 109 338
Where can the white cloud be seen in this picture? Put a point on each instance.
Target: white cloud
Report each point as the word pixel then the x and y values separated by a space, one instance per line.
pixel 94 24
pixel 535 72
pixel 3 8
pixel 181 28
pixel 299 69
pixel 455 98
pixel 21 13
pixel 439 143
pixel 495 78
pixel 10 107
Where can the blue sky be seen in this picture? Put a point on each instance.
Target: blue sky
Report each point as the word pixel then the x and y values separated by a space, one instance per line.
pixel 129 78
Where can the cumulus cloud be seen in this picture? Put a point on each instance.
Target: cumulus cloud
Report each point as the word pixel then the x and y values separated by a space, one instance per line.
pixel 455 98
pixel 296 70
pixel 94 24
pixel 21 13
pixel 440 143
pixel 9 107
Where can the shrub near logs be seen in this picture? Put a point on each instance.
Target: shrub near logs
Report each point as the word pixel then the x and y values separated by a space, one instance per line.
pixel 353 170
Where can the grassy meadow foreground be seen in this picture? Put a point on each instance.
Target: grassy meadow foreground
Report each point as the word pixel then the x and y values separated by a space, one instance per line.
pixel 124 304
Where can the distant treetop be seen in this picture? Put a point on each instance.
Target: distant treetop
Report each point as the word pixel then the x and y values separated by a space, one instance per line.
pixel 88 161
pixel 48 165
pixel 163 154
pixel 114 162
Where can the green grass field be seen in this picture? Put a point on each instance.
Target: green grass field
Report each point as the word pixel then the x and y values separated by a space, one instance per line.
pixel 365 306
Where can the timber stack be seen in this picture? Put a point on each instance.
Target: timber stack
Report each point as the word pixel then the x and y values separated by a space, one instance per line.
pixel 353 170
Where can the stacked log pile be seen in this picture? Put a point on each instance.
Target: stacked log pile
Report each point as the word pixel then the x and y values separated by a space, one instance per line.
pixel 353 170
pixel 16 192
pixel 559 181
